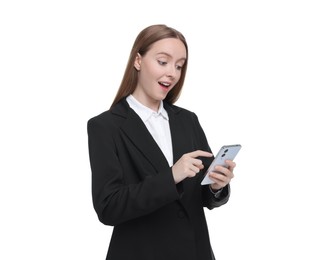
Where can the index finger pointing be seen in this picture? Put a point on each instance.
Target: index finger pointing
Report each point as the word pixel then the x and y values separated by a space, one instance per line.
pixel 201 153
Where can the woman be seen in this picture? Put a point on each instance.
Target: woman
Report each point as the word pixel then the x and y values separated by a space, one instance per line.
pixel 148 158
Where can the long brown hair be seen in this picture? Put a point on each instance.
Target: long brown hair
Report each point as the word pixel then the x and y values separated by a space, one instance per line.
pixel 142 45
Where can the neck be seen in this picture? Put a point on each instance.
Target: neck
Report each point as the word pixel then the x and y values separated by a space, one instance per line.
pixel 152 104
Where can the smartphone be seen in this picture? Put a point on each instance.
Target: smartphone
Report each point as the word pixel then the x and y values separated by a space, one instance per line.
pixel 226 152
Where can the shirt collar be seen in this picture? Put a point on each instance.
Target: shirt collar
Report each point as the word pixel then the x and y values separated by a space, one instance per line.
pixel 144 112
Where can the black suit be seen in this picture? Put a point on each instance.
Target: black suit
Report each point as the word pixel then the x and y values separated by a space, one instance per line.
pixel 133 187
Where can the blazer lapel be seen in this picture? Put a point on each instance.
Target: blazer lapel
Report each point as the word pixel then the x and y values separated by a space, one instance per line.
pixel 137 132
pixel 177 133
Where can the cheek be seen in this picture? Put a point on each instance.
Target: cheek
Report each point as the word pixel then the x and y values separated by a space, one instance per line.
pixel 154 68
pixel 177 78
pixel 156 71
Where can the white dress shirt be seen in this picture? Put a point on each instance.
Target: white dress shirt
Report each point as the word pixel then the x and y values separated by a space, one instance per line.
pixel 157 124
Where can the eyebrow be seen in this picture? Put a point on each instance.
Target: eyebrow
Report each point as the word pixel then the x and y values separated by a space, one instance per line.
pixel 167 54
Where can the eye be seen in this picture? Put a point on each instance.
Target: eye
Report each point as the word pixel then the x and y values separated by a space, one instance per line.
pixel 178 67
pixel 162 62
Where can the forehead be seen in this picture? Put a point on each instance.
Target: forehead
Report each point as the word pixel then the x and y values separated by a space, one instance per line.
pixel 170 46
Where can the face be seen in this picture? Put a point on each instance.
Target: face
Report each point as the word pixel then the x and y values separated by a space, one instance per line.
pixel 158 71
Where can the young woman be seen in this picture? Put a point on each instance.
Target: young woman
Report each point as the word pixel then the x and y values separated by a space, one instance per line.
pixel 148 158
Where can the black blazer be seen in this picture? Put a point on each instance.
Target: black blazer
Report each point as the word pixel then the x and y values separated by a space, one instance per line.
pixel 134 191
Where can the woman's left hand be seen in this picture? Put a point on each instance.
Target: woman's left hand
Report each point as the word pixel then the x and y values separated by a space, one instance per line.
pixel 222 175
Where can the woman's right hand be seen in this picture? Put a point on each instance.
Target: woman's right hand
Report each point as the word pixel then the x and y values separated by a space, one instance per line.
pixel 188 165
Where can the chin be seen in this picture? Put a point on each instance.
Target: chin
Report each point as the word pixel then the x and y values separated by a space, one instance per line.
pixel 162 98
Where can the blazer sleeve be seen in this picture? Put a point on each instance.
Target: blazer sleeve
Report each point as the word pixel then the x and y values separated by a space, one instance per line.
pixel 114 200
pixel 208 198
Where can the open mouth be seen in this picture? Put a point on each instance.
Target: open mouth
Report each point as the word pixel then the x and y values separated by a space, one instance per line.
pixel 164 84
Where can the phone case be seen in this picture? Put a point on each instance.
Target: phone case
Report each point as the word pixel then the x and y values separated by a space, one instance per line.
pixel 227 152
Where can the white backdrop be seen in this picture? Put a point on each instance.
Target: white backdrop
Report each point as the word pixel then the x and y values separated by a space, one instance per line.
pixel 250 67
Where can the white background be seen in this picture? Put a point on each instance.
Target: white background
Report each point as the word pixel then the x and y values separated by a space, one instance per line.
pixel 248 81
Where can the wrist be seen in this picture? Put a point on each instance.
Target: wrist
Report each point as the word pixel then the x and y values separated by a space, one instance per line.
pixel 215 192
pixel 214 187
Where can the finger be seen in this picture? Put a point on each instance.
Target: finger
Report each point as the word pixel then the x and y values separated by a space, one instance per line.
pixel 199 153
pixel 230 164
pixel 224 171
pixel 201 166
pixel 219 179
pixel 196 162
pixel 194 168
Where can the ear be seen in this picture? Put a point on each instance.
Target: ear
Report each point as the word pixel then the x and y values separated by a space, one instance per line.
pixel 137 62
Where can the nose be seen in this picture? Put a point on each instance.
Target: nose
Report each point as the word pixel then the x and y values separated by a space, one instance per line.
pixel 172 72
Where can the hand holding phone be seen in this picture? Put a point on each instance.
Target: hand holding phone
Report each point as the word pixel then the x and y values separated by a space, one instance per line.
pixel 227 152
